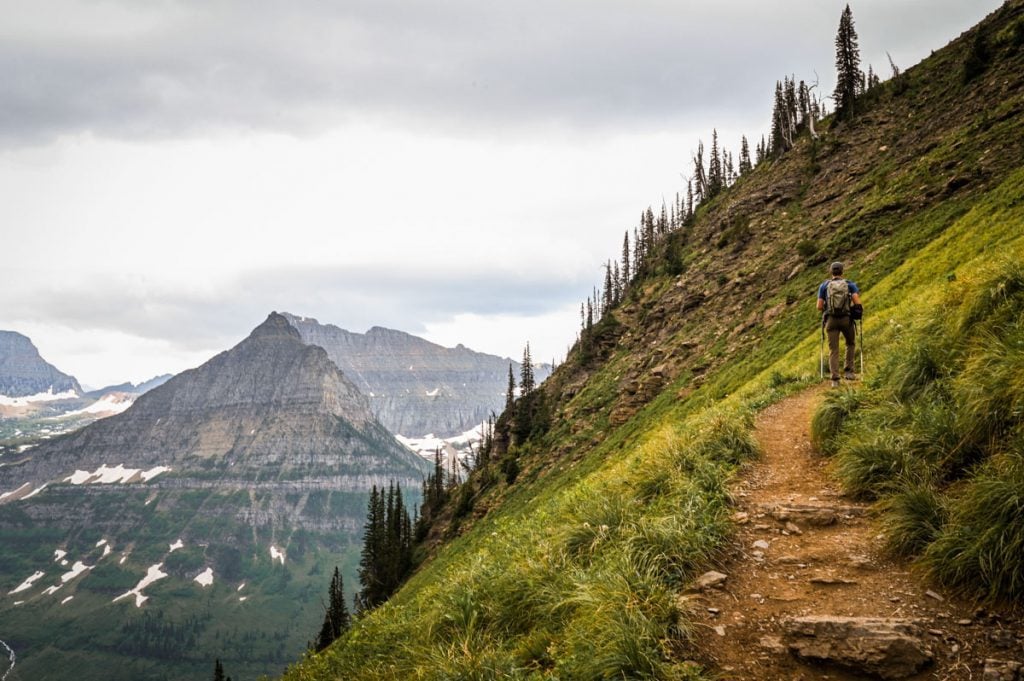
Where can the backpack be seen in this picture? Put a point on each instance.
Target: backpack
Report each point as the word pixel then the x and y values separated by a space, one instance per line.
pixel 837 298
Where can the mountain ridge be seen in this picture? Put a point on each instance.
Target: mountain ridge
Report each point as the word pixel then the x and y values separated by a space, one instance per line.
pixel 416 387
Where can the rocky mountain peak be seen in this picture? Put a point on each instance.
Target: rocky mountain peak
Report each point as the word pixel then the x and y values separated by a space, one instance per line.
pixel 24 372
pixel 275 325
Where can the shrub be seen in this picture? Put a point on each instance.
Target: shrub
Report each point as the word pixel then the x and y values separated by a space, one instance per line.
pixel 980 550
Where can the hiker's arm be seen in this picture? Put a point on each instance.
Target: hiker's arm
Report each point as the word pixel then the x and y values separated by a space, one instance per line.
pixel 821 304
pixel 855 298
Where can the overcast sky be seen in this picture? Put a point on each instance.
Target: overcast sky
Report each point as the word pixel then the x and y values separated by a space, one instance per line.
pixel 172 171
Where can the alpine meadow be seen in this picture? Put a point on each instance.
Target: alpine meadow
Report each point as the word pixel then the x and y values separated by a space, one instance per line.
pixel 609 488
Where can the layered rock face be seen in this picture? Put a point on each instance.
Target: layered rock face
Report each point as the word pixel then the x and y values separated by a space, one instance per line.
pixel 272 412
pixel 24 372
pixel 416 387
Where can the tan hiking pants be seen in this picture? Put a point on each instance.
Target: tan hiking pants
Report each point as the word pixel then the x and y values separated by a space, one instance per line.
pixel 833 328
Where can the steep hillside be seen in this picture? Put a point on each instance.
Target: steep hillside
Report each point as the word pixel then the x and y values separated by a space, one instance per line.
pixel 416 387
pixel 571 550
pixel 200 523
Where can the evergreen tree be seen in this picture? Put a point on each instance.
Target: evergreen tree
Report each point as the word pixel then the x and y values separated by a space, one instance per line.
pixel 510 391
pixel 745 165
pixel 625 260
pixel 848 73
pixel 700 179
pixel 336 619
pixel 526 384
pixel 371 561
pixel 218 671
pixel 609 286
pixel 716 180
pixel 777 144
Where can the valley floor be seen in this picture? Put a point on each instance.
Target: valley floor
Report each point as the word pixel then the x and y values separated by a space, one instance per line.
pixel 801 550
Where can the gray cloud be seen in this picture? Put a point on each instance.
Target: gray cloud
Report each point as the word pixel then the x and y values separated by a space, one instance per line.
pixel 353 298
pixel 190 67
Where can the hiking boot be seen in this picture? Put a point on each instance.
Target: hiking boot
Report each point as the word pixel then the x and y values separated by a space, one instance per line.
pixel 849 376
pixel 835 382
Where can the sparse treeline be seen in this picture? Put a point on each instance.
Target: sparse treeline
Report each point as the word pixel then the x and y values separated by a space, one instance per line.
pixel 798 107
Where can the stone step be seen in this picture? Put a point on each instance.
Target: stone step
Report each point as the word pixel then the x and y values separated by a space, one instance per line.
pixel 813 515
pixel 890 648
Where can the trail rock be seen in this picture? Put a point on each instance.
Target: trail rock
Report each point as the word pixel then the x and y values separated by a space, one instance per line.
pixel 709 579
pixel 815 516
pixel 890 648
pixel 1002 670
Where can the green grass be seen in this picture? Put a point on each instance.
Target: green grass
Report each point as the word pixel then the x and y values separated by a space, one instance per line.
pixel 574 570
pixel 940 440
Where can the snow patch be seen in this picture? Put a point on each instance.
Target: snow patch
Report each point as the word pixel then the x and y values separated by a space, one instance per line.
pixel 240 586
pixel 205 578
pixel 59 554
pixel 48 396
pixel 153 574
pixel 34 492
pixel 108 405
pixel 66 600
pixel 27 584
pixel 242 599
pixel 108 475
pixel 177 545
pixel 101 542
pixel 16 494
pixel 434 393
pixel 276 554
pixel 107 551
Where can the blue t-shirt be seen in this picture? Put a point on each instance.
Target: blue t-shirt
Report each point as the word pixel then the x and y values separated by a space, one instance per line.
pixel 824 286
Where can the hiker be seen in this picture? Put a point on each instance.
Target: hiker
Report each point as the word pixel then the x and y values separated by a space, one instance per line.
pixel 838 299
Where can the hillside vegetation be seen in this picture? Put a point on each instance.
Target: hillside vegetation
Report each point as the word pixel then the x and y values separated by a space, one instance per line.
pixel 573 569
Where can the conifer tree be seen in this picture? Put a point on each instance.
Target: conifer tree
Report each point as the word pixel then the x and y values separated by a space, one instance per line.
pixel 848 74
pixel 700 179
pixel 336 619
pixel 745 165
pixel 218 671
pixel 510 391
pixel 625 260
pixel 526 384
pixel 609 285
pixel 715 178
pixel 689 200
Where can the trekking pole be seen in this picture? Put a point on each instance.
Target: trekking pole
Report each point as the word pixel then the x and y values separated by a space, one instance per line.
pixel 821 353
pixel 862 347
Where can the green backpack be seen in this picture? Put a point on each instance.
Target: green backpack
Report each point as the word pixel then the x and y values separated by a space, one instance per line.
pixel 838 298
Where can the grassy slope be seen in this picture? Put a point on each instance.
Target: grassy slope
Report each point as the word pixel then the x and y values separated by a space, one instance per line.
pixel 573 570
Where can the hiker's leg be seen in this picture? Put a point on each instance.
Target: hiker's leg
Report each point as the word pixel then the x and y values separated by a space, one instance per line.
pixel 850 335
pixel 832 331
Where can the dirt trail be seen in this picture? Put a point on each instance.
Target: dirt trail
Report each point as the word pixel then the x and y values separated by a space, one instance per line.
pixel 777 571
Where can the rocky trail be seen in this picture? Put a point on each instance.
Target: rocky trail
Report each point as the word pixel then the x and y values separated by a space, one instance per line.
pixel 808 593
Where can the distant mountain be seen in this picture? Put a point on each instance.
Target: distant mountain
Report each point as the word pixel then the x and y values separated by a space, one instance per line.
pixel 129 387
pixel 416 387
pixel 24 373
pixel 252 470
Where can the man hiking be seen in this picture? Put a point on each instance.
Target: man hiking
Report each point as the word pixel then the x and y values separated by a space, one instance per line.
pixel 837 299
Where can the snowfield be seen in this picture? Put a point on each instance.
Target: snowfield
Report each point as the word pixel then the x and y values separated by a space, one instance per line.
pixel 205 578
pixel 27 584
pixel 153 574
pixel 107 475
pixel 48 396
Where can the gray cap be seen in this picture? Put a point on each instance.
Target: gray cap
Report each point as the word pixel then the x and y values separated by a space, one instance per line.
pixel 836 268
